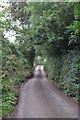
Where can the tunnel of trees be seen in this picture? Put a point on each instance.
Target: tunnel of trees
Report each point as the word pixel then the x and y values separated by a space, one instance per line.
pixel 48 31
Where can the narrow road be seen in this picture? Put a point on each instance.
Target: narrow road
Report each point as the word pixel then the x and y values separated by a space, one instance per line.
pixel 40 99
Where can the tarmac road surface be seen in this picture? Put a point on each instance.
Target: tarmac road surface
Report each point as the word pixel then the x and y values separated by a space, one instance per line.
pixel 40 99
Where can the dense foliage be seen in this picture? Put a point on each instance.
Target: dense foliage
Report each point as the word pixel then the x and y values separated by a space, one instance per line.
pixel 17 67
pixel 50 31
